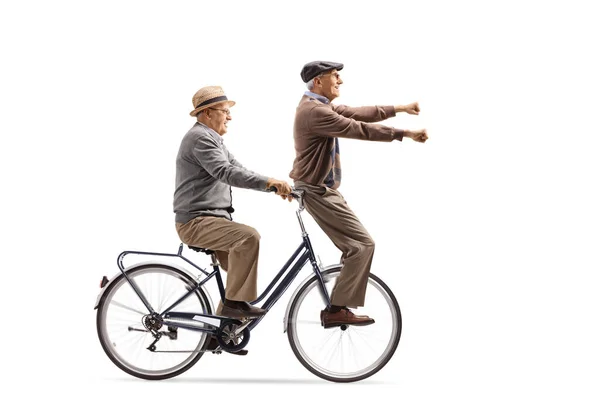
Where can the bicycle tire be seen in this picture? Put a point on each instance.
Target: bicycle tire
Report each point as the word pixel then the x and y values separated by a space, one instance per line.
pixel 109 346
pixel 310 364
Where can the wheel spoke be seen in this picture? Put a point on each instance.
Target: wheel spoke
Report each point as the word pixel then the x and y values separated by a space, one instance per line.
pixel 332 351
pixel 121 305
pixel 355 353
pixel 308 322
pixel 327 339
pixel 365 342
pixel 342 351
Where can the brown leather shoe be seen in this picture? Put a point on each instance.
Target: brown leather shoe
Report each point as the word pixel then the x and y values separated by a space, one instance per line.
pixel 343 317
pixel 241 309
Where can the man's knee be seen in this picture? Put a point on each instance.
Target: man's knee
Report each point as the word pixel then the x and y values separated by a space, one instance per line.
pixel 369 243
pixel 251 237
pixel 366 245
pixel 360 247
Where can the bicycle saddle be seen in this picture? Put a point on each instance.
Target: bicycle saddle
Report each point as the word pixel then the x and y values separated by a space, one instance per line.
pixel 200 249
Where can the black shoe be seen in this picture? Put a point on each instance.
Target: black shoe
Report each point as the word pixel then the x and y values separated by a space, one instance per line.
pixel 213 345
pixel 241 309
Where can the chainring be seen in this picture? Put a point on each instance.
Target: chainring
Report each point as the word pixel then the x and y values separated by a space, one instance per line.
pixel 229 340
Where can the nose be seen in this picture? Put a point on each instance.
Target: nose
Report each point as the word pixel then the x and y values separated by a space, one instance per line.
pixel 340 81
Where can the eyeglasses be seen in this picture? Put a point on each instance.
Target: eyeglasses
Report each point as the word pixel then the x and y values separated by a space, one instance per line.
pixel 227 112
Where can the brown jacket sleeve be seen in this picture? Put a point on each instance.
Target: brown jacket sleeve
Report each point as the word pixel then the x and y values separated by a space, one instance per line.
pixel 324 121
pixel 366 114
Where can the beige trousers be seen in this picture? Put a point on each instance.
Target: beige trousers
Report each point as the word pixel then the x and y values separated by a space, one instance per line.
pixel 236 246
pixel 332 214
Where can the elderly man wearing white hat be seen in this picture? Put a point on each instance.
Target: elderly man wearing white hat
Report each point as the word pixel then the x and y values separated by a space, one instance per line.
pixel 205 172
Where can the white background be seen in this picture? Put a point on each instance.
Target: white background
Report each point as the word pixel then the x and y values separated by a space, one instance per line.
pixel 488 233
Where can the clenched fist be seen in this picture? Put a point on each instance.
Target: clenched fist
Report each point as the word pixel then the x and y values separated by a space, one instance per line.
pixel 418 135
pixel 283 189
pixel 412 108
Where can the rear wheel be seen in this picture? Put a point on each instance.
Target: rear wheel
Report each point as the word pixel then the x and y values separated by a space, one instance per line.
pixel 128 332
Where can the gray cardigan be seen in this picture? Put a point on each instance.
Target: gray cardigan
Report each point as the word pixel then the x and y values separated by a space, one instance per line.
pixel 205 172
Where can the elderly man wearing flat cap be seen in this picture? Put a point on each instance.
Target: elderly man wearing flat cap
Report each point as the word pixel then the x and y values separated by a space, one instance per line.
pixel 317 170
pixel 205 173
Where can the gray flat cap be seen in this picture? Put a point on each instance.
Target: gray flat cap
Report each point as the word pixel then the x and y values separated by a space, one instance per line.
pixel 315 68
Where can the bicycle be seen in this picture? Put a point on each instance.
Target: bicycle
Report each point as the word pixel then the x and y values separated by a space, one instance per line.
pixel 154 320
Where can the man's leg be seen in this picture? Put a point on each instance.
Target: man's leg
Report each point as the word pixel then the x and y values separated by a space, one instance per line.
pixel 223 258
pixel 241 242
pixel 332 214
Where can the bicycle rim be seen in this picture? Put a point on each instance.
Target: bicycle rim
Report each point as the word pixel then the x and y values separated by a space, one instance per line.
pixel 126 339
pixel 344 355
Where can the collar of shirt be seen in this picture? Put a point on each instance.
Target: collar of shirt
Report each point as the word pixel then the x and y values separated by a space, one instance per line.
pixel 323 99
pixel 212 132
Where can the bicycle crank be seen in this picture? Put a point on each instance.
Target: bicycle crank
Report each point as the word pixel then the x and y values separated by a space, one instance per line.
pixel 231 338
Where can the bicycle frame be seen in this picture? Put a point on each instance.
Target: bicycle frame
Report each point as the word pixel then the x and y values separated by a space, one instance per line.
pixel 296 262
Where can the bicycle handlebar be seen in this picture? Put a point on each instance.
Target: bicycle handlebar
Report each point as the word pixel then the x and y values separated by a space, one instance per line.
pixel 296 194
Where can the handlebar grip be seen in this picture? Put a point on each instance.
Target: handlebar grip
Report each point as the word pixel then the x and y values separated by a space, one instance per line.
pixel 295 194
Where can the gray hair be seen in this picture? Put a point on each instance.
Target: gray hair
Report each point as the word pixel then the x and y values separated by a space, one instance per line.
pixel 311 84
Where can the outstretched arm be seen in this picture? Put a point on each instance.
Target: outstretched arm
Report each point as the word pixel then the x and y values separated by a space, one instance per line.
pixel 375 113
pixel 366 113
pixel 283 188
pixel 324 121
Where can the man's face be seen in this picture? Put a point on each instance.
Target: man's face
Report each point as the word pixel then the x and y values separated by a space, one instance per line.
pixel 331 82
pixel 219 117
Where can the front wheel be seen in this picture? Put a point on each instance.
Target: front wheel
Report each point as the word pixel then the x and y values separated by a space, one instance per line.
pixel 347 353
